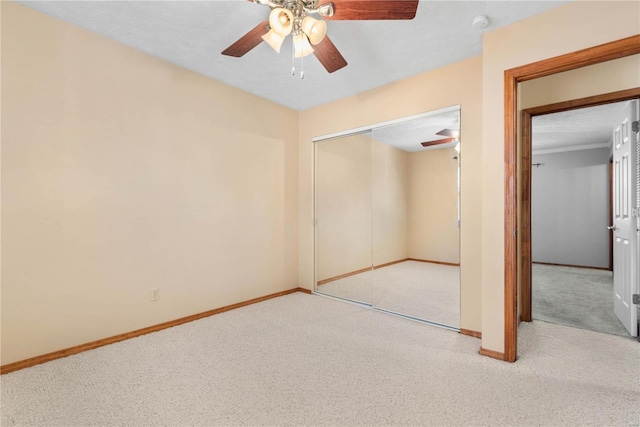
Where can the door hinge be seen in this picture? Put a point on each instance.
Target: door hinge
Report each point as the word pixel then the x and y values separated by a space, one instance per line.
pixel 635 126
pixel 636 298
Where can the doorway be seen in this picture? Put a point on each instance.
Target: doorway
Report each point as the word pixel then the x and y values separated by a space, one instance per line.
pixel 514 222
pixel 572 280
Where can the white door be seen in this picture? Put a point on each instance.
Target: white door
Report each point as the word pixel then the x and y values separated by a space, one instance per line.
pixel 624 221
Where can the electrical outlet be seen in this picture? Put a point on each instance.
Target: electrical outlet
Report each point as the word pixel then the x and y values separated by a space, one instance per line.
pixel 154 294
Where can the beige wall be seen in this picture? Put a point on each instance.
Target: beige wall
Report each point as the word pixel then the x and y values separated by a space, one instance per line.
pixel 1 121
pixel 122 173
pixel 0 181
pixel 459 83
pixel 433 206
pixel 571 27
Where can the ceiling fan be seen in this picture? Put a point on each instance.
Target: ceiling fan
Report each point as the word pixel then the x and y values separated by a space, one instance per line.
pixel 309 34
pixel 453 135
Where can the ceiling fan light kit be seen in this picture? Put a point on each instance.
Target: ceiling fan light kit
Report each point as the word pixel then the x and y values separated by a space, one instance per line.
pixel 281 21
pixel 314 29
pixel 274 40
pixel 281 25
pixel 293 17
pixel 301 46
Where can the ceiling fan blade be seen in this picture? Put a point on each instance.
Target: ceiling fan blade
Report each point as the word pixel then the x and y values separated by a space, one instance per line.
pixel 437 142
pixel 247 42
pixel 449 132
pixel 373 9
pixel 328 55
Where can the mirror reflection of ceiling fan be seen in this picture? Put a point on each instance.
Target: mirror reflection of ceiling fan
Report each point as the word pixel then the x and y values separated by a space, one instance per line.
pixel 309 34
pixel 451 134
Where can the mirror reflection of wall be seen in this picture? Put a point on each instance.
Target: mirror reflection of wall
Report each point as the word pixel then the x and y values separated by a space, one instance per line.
pixel 343 216
pixel 387 211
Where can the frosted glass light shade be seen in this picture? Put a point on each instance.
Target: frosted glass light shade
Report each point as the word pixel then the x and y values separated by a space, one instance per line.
pixel 314 29
pixel 301 45
pixel 274 40
pixel 281 21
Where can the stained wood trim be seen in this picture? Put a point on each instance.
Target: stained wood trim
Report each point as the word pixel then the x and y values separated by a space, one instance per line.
pixel 471 333
pixel 493 354
pixel 593 55
pixel 510 220
pixel 589 101
pixel 27 363
pixel 578 59
pixel 571 265
pixel 362 270
pixel 526 284
pixel 453 264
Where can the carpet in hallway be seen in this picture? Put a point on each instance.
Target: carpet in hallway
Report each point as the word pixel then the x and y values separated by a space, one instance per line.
pixel 577 297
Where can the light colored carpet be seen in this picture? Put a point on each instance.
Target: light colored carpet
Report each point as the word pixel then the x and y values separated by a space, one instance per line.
pixel 577 297
pixel 420 289
pixel 304 359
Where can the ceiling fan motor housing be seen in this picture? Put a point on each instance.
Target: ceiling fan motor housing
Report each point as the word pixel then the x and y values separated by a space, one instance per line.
pixel 297 7
pixel 306 6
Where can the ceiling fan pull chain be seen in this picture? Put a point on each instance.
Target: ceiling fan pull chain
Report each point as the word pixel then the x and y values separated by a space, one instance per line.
pixel 302 68
pixel 293 57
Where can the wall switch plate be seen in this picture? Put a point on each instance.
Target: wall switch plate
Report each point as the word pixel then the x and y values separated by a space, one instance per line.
pixel 154 294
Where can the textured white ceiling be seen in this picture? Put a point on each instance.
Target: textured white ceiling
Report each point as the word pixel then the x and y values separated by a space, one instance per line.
pixel 569 130
pixel 193 33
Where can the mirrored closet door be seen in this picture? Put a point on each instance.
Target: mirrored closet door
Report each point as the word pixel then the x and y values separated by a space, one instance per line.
pixel 415 215
pixel 343 217
pixel 389 198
